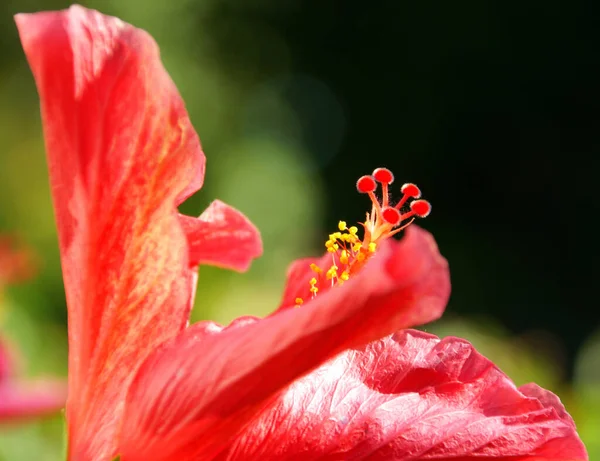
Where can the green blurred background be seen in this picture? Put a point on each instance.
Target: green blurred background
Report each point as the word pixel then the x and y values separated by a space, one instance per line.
pixel 490 106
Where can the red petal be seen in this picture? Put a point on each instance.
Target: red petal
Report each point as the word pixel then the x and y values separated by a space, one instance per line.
pixel 222 236
pixel 122 154
pixel 193 395
pixel 414 257
pixel 548 399
pixel 410 397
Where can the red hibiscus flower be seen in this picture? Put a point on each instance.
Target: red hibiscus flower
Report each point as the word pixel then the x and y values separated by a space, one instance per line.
pixel 20 399
pixel 122 155
pixel 314 380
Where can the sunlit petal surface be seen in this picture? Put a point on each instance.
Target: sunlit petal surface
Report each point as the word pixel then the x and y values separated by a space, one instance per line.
pixel 410 396
pixel 193 395
pixel 122 155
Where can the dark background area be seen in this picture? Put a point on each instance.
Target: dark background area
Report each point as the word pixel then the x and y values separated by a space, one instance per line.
pixel 492 107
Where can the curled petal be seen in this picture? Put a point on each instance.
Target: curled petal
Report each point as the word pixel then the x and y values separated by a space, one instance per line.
pixel 410 396
pixel 191 396
pixel 122 155
pixel 222 236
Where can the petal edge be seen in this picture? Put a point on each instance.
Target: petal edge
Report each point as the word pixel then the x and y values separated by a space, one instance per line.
pixel 222 236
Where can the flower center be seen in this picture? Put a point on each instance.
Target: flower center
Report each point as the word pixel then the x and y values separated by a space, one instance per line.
pixel 348 251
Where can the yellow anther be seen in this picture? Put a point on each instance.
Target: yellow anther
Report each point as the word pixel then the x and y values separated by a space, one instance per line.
pixel 316 268
pixel 360 256
pixel 313 288
pixel 345 276
pixel 353 230
pixel 331 244
pixel 331 250
pixel 344 257
pixel 342 225
pixel 337 235
pixel 332 272
pixel 357 246
pixel 299 301
pixel 372 247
